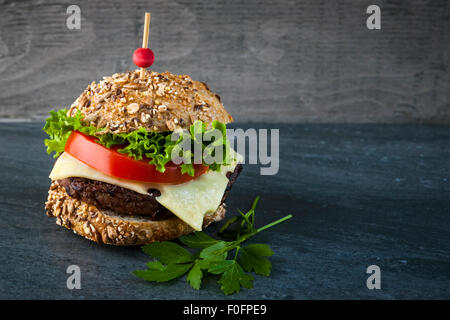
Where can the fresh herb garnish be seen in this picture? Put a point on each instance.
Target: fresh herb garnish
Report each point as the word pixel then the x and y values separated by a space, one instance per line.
pixel 211 256
pixel 140 144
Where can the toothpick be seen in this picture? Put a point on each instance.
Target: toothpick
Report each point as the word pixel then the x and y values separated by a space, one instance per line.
pixel 145 36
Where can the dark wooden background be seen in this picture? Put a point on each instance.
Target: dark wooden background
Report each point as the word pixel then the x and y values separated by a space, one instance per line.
pixel 285 61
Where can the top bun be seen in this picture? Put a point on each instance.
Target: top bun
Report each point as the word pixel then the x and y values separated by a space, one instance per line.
pixel 159 102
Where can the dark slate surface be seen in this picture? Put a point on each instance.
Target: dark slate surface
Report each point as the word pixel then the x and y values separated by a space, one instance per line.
pixel 360 195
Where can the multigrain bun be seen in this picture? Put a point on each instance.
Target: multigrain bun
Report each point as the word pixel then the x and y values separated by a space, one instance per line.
pixel 122 103
pixel 158 102
pixel 108 227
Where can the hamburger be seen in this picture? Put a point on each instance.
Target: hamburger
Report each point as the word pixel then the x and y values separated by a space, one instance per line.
pixel 116 179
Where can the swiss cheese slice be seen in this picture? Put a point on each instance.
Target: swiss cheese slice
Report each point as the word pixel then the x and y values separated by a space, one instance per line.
pixel 189 201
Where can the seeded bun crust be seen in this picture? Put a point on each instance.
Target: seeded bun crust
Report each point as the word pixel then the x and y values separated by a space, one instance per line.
pixel 159 102
pixel 110 228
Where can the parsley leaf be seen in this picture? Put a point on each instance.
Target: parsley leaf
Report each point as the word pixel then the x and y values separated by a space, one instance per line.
pixel 162 273
pixel 212 256
pixel 233 276
pixel 194 276
pixel 253 258
pixel 168 252
pixel 197 239
pixel 215 252
pixel 174 261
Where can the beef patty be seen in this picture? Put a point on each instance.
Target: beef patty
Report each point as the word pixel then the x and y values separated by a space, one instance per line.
pixel 107 196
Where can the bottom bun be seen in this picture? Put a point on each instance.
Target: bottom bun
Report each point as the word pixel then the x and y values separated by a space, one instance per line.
pixel 107 227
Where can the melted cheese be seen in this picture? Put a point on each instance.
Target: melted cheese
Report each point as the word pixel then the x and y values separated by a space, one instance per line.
pixel 189 201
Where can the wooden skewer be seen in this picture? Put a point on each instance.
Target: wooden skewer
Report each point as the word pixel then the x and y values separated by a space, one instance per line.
pixel 145 36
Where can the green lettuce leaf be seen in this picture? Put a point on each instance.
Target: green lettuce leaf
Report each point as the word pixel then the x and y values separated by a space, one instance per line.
pixel 141 144
pixel 59 127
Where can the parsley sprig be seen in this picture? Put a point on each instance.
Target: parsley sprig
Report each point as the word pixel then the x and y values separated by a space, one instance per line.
pixel 212 256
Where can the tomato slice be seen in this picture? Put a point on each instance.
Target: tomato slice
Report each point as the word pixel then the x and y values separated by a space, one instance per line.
pixel 113 163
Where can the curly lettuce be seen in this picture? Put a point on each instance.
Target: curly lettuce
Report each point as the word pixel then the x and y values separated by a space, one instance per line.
pixel 157 147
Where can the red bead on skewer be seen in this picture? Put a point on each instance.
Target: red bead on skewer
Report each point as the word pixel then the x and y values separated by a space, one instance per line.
pixel 143 57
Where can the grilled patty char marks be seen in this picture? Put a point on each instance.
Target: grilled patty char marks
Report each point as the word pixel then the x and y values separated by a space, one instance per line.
pixel 107 196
